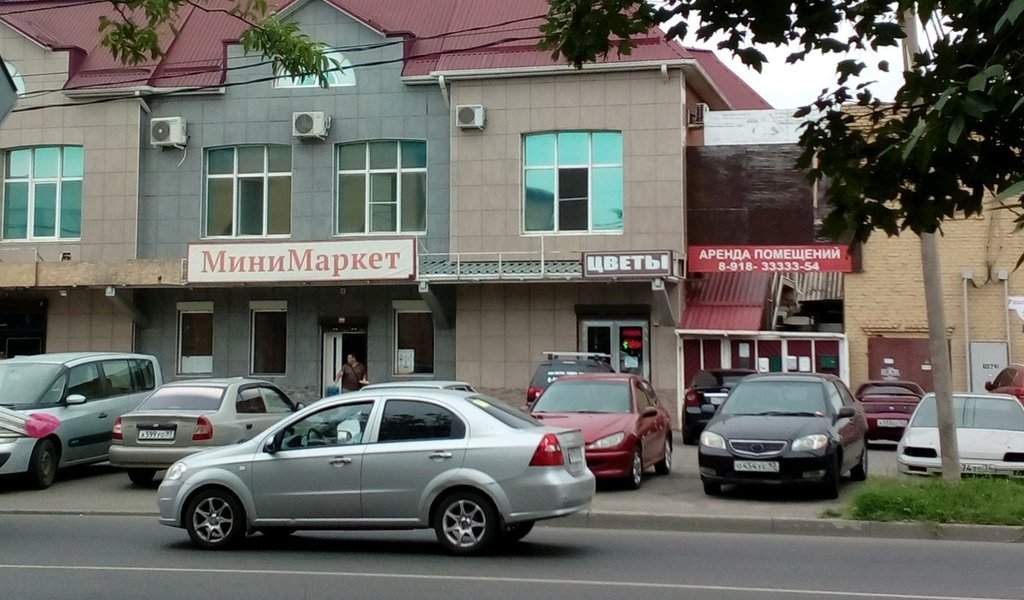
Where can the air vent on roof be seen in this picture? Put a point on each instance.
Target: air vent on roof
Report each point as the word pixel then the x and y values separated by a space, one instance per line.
pixel 469 116
pixel 310 125
pixel 167 131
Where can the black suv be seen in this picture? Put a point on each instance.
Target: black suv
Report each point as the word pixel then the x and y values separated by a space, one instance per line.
pixel 706 393
pixel 558 364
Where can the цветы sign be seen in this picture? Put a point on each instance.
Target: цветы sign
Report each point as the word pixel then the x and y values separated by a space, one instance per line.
pixel 361 260
pixel 745 259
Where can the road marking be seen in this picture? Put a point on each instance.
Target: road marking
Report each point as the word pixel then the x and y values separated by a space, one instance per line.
pixel 519 580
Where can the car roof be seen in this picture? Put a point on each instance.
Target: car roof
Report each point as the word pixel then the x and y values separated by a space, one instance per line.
pixel 216 382
pixel 418 383
pixel 58 358
pixel 598 376
pixel 982 395
pixel 790 377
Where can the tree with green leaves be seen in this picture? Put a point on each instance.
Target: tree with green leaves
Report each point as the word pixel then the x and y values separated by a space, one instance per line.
pixel 132 35
pixel 951 139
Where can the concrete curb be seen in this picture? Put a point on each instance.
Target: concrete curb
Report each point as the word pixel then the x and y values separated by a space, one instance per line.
pixel 709 524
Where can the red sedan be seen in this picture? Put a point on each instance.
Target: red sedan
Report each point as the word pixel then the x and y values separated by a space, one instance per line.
pixel 888 406
pixel 625 427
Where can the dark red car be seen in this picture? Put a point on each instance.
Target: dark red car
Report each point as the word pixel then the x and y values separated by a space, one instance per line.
pixel 625 427
pixel 888 406
pixel 1009 381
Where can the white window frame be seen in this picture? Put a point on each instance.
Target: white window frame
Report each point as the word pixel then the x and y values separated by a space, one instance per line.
pixel 411 307
pixel 590 165
pixel 367 191
pixel 340 74
pixel 265 306
pixel 236 177
pixel 32 181
pixel 184 308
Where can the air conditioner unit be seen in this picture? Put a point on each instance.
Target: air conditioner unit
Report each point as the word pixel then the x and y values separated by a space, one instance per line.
pixel 697 115
pixel 167 131
pixel 469 116
pixel 314 124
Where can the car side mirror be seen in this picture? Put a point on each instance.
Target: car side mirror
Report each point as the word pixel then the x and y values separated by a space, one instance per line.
pixel 650 411
pixel 275 443
pixel 846 412
pixel 989 387
pixel 344 436
pixel 75 399
pixel 299 406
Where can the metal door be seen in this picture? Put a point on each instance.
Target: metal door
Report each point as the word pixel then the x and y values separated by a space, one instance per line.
pixel 907 359
pixel 987 359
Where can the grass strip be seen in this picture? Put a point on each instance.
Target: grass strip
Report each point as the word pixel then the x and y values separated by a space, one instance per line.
pixel 976 501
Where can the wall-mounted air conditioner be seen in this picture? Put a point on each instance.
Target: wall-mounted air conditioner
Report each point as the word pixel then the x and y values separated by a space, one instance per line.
pixel 696 116
pixel 314 124
pixel 168 131
pixel 469 116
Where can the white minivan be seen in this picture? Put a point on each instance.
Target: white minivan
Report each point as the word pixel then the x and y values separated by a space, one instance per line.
pixel 87 391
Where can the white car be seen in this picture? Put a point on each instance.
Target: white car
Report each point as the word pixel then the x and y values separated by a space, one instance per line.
pixel 990 436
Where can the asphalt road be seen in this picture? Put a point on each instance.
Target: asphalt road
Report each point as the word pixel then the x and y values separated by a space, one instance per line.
pixel 56 557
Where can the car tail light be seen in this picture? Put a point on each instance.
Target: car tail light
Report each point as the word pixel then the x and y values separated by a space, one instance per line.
pixel 204 430
pixel 548 453
pixel 692 398
pixel 118 434
pixel 532 394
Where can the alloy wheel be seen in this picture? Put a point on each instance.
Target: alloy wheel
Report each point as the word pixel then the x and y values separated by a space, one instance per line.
pixel 464 524
pixel 213 520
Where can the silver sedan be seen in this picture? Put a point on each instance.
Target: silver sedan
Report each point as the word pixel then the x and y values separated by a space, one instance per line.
pixel 465 465
pixel 186 417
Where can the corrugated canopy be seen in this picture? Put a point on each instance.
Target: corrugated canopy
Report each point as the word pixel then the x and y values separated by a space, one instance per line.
pixel 727 301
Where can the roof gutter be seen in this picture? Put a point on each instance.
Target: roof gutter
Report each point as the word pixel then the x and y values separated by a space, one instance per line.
pixel 471 74
pixel 134 92
pixel 708 90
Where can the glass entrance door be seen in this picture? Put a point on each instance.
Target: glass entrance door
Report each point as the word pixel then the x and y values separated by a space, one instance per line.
pixel 627 342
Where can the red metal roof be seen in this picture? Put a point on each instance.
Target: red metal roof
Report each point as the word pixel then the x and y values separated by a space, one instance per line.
pixel 443 35
pixel 727 301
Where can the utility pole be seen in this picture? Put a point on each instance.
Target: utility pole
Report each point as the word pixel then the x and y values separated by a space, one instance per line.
pixel 934 302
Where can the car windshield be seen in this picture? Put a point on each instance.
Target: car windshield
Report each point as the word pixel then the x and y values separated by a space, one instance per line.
pixel 804 398
pixel 204 398
pixel 516 419
pixel 27 385
pixel 585 397
pixel 887 390
pixel 717 378
pixel 974 413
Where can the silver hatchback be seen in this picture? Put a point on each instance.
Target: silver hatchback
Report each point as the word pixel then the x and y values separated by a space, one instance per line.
pixel 465 465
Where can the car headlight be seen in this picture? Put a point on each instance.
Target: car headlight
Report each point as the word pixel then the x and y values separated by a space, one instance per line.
pixel 810 442
pixel 175 472
pixel 609 441
pixel 710 439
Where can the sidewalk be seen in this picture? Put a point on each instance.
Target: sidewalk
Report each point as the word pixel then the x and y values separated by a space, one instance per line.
pixel 672 503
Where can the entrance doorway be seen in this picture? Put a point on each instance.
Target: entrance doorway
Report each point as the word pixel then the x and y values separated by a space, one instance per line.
pixel 626 341
pixel 336 346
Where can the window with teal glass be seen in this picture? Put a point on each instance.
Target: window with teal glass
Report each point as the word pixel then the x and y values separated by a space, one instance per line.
pixel 340 73
pixel 43 193
pixel 249 191
pixel 382 187
pixel 572 181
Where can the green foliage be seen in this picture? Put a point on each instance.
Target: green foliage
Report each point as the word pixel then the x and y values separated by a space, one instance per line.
pixel 952 137
pixel 978 501
pixel 133 36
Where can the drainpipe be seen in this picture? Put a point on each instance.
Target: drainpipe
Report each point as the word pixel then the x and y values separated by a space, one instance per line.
pixel 1004 276
pixel 968 275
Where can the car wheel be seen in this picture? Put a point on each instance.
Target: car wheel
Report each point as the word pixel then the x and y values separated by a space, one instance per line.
pixel 42 465
pixel 830 486
pixel 465 522
pixel 860 471
pixel 214 520
pixel 515 532
pixel 664 466
pixel 636 470
pixel 141 476
pixel 690 437
pixel 711 488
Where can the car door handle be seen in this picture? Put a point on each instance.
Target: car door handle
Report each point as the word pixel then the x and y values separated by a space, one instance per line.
pixel 103 415
pixel 340 461
pixel 441 455
pixel 248 425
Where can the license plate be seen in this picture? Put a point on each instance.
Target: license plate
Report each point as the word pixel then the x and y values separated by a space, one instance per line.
pixel 756 466
pixel 717 400
pixel 976 468
pixel 156 434
pixel 575 455
pixel 892 422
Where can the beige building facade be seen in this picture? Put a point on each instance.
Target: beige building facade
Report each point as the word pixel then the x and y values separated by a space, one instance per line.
pixel 886 320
